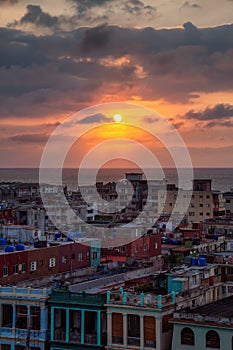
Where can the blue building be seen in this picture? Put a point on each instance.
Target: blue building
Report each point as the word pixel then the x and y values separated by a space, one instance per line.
pixel 23 318
pixel 78 320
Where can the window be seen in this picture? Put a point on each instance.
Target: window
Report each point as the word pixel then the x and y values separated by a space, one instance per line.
pixel 80 257
pixel 145 247
pixel 88 255
pixel 122 249
pixel 5 271
pixel 64 259
pixel 117 328
pixel 187 336
pixel 23 267
pixel 7 315
pixel 94 255
pixel 5 347
pixel 35 317
pixel 212 340
pixel 52 262
pixel 156 245
pixel 41 262
pixel 191 213
pixel 133 330
pixel 33 266
pixel 15 269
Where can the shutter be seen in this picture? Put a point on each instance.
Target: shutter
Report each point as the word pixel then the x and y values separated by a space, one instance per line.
pixel 117 325
pixel 149 328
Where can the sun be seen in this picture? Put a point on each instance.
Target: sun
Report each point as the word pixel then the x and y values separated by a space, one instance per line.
pixel 117 118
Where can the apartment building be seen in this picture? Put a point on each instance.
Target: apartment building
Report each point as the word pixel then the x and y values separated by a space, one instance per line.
pixel 203 202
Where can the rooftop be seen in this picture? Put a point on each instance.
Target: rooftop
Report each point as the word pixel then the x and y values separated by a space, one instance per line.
pixel 219 312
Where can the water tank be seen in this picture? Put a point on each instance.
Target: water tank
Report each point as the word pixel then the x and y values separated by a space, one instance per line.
pixel 19 247
pixel 35 244
pixel 215 237
pixel 202 261
pixel 9 249
pixel 202 256
pixel 194 261
pixel 2 241
pixel 57 235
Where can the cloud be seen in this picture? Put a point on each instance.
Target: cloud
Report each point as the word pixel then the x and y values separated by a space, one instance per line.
pixel 95 118
pixel 219 111
pixel 37 17
pixel 66 71
pixel 137 7
pixel 187 4
pixel 84 5
pixel 150 120
pixel 29 138
pixel 11 2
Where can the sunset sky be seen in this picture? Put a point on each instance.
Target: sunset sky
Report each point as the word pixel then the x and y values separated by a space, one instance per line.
pixel 172 56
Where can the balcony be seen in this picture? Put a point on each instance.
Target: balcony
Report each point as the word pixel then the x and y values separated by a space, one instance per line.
pixel 135 341
pixel 78 298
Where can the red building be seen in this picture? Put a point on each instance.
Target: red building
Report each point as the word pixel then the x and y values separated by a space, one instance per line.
pixel 8 215
pixel 143 248
pixel 22 265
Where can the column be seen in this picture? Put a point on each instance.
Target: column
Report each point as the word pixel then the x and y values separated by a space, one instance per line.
pixel 109 328
pixel 52 323
pixel 125 331
pixel 67 325
pixel 43 318
pixel 98 330
pixel 158 332
pixel 1 315
pixel 28 317
pixel 13 319
pixel 82 326
pixel 141 332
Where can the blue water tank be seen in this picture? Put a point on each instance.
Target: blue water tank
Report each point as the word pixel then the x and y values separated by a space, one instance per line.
pixel 194 261
pixel 174 242
pixel 202 261
pixel 9 249
pixel 202 256
pixel 57 235
pixel 35 244
pixel 215 237
pixel 19 247
pixel 2 241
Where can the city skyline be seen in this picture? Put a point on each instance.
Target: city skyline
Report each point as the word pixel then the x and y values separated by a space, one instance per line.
pixel 174 57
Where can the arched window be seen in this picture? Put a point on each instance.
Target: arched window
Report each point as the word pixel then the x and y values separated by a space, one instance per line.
pixel 212 340
pixel 187 336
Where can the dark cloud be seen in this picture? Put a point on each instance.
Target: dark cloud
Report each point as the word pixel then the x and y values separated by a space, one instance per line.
pixel 219 111
pixel 66 71
pixel 96 38
pixel 150 119
pixel 137 7
pixel 84 5
pixel 11 2
pixel 37 17
pixel 96 118
pixel 29 138
pixel 187 4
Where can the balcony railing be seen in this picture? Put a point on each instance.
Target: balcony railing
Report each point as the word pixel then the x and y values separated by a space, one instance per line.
pixel 117 339
pixel 135 341
pixel 81 298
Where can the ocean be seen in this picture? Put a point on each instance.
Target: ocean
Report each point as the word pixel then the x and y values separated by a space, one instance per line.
pixel 222 178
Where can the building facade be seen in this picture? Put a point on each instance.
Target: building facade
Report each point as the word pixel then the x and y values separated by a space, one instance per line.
pixel 78 320
pixel 24 318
